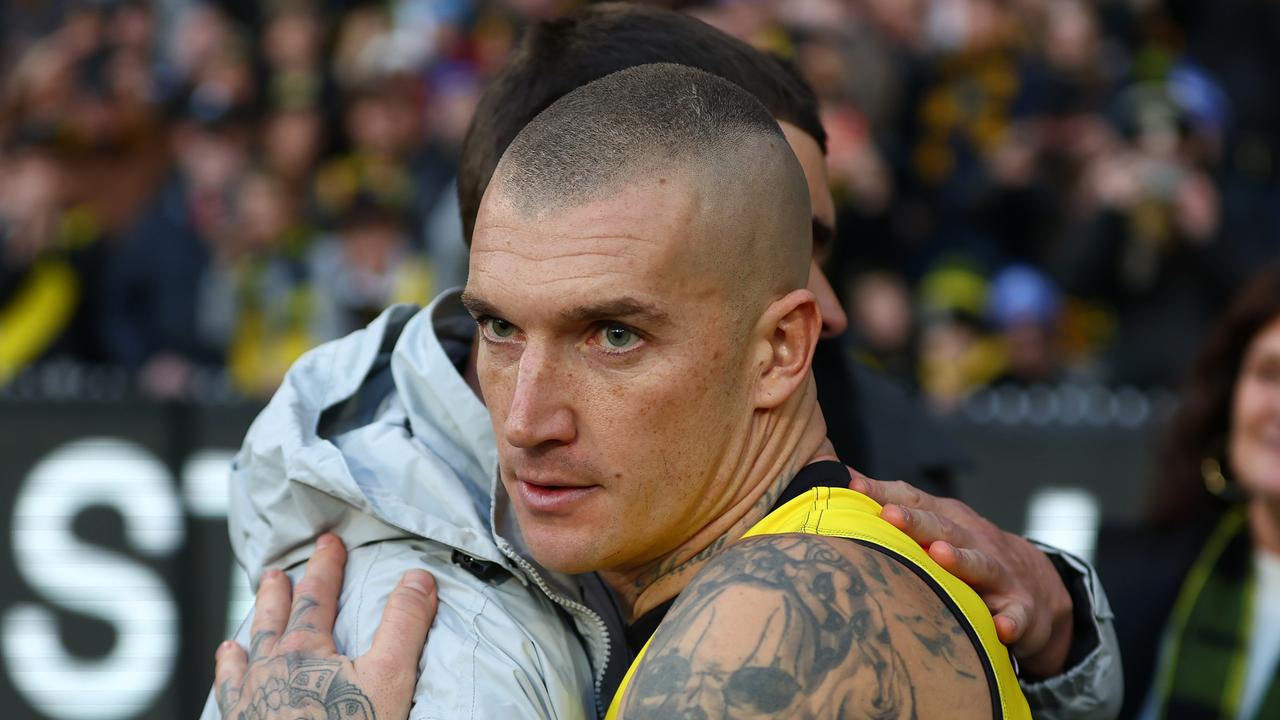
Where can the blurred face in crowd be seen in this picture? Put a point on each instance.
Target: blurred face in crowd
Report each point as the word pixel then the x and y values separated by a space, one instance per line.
pixel 882 308
pixel 618 356
pixel 382 123
pixel 132 27
pixel 266 212
pixel 1254 450
pixel 372 242
pixel 292 141
pixel 202 31
pixel 210 158
pixel 30 194
pixel 293 41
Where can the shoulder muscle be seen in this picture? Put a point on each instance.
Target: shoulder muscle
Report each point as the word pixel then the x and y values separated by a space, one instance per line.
pixel 803 626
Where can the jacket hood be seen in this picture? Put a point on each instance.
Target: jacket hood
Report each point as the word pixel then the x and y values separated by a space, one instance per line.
pixel 374 436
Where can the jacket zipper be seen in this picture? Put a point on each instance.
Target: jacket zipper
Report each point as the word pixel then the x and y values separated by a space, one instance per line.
pixel 577 608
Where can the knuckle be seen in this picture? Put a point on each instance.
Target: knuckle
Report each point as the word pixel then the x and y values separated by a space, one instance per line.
pixel 228 656
pixel 292 641
pixel 309 585
pixel 909 493
pixel 397 674
pixel 950 507
pixel 407 605
pixel 946 526
pixel 933 526
pixel 273 584
pixel 983 563
pixel 268 591
pixel 1022 603
pixel 993 568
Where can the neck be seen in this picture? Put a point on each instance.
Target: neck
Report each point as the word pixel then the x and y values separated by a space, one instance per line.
pixel 778 443
pixel 1264 523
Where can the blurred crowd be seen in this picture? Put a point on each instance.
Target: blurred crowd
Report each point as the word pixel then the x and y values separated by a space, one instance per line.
pixel 1030 191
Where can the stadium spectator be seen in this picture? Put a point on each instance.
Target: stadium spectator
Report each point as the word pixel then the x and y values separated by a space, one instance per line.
pixel 1025 309
pixel 368 262
pixel 50 257
pixel 1147 243
pixel 1197 595
pixel 154 315
pixel 271 306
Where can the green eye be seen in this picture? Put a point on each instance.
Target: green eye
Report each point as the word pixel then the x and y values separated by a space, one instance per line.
pixel 617 337
pixel 501 328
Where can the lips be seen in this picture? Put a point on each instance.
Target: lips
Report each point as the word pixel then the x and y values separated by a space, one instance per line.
pixel 545 497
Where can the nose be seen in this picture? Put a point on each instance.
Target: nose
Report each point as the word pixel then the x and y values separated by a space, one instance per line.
pixel 834 319
pixel 539 411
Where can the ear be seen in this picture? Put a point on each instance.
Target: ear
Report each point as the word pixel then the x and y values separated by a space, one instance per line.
pixel 788 331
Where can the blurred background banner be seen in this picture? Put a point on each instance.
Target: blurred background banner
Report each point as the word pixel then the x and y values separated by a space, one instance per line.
pixel 117 578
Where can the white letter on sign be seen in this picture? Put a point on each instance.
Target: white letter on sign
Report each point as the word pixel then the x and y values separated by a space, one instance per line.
pixel 88 579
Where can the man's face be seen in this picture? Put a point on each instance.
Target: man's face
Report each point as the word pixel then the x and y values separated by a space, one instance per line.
pixel 807 151
pixel 615 368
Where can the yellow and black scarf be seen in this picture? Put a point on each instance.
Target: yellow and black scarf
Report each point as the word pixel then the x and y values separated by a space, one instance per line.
pixel 1202 668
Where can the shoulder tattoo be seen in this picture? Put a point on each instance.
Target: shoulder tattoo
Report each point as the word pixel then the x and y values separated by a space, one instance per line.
pixel 785 627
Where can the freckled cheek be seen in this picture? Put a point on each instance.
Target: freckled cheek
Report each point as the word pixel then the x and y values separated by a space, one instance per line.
pixel 497 387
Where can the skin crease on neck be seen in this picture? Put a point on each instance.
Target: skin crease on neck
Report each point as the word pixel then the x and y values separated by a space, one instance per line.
pixel 643 588
pixel 1254 450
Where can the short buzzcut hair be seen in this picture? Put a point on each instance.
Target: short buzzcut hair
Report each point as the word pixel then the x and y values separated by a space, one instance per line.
pixel 556 56
pixel 647 118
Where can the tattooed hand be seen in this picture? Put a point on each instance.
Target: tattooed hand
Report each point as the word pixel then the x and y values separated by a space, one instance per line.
pixel 1031 606
pixel 293 671
pixel 796 626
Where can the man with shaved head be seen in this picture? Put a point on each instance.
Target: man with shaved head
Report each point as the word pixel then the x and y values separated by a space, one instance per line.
pixel 648 219
pixel 575 47
pixel 638 277
pixel 638 272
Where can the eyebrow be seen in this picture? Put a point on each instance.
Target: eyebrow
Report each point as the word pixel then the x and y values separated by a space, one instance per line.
pixel 623 308
pixel 476 306
pixel 618 308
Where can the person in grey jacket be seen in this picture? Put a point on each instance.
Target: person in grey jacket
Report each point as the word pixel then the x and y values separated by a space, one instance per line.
pixel 353 412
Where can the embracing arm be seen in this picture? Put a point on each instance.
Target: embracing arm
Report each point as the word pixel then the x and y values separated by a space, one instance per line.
pixel 292 670
pixel 1049 606
pixel 800 626
pixel 1091 686
pixel 495 651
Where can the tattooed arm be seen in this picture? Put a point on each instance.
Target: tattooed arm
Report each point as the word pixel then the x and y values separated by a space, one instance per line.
pixel 800 626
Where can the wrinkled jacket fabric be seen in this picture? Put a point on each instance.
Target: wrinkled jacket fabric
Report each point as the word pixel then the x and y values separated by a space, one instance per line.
pixel 378 438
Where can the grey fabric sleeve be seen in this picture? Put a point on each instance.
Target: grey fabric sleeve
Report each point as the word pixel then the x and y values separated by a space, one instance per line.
pixel 1092 686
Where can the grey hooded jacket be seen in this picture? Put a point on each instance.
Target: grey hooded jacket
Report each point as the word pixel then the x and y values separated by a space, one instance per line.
pixel 378 437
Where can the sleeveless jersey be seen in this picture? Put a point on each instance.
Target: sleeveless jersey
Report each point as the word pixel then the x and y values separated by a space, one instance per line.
pixel 839 512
